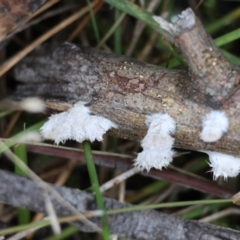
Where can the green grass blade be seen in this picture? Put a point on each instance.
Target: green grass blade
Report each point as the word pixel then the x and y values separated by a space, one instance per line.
pixel 146 17
pixel 134 11
pixel 226 20
pixel 203 210
pixel 94 23
pixel 111 30
pixel 227 38
pixel 24 227
pixel 148 191
pixel 230 57
pixel 5 113
pixel 21 151
pixel 168 205
pixel 94 181
pixel 67 232
pixel 117 34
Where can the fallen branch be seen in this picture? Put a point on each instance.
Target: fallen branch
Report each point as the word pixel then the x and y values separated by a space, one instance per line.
pixel 139 225
pixel 125 90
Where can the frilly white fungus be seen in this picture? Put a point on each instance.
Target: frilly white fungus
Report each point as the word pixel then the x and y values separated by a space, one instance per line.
pixel 76 124
pixel 223 165
pixel 214 125
pixel 157 144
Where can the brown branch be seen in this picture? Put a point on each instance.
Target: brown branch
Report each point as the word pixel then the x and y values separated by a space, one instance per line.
pixel 139 225
pixel 212 75
pixel 123 90
pixel 125 163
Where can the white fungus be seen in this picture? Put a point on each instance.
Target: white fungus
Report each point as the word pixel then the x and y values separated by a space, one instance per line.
pixel 76 124
pixel 33 105
pixel 223 165
pixel 214 124
pixel 33 136
pixel 157 144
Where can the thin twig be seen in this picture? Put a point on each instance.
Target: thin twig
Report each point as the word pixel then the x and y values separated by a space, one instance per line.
pixel 221 214
pixel 139 29
pixel 122 177
pixel 124 162
pixel 41 18
pixel 148 46
pixel 83 23
pixel 12 123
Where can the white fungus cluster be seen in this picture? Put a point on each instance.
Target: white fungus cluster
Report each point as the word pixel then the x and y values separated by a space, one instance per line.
pixel 76 124
pixel 223 165
pixel 157 144
pixel 214 124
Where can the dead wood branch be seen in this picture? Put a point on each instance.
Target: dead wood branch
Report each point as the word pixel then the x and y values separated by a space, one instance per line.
pixel 139 225
pixel 123 90
pixel 215 79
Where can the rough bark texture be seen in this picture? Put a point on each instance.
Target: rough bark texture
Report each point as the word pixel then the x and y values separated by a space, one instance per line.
pixel 139 225
pixel 214 78
pixel 123 90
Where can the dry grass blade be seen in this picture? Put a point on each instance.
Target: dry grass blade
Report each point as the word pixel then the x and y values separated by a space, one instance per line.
pixel 45 7
pixel 22 234
pixel 42 17
pixel 84 22
pixel 45 187
pixel 12 15
pixel 65 172
pixel 52 215
pixel 119 179
pixel 221 214
pixel 15 59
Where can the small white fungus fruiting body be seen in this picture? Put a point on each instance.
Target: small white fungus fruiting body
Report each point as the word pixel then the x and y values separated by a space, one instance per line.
pixel 223 164
pixel 33 105
pixel 76 124
pixel 30 137
pixel 214 124
pixel 157 144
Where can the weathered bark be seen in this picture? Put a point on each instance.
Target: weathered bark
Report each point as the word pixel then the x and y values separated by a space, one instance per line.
pixel 212 76
pixel 123 90
pixel 139 225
